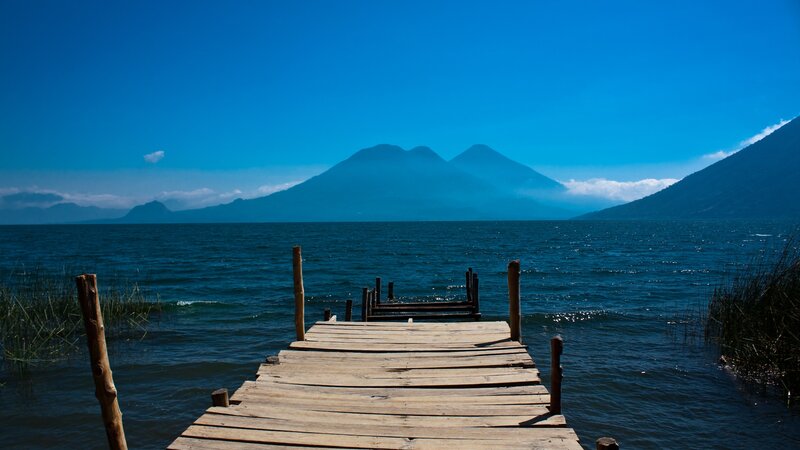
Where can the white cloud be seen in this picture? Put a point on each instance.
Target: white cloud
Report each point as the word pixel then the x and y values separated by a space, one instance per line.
pixel 272 188
pixel 721 154
pixel 764 133
pixel 716 156
pixel 617 190
pixel 202 197
pixel 154 157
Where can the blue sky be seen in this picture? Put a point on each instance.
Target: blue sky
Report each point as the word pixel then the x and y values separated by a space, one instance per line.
pixel 246 97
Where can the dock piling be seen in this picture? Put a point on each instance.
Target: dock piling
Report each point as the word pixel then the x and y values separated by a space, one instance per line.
pixel 391 290
pixel 607 443
pixel 469 285
pixel 326 315
pixel 348 310
pixel 556 373
pixel 476 302
pixel 514 315
pixel 377 290
pixel 220 398
pixel 105 390
pixel 364 300
pixel 299 294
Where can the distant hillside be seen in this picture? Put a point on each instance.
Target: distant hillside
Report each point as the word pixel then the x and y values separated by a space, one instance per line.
pixel 384 182
pixel 760 181
pixel 152 212
pixel 58 213
pixel 501 172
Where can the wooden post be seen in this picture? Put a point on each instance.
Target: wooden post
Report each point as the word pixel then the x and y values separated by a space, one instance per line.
pixel 220 398
pixel 105 391
pixel 377 290
pixel 326 315
pixel 607 443
pixel 476 302
pixel 513 301
pixel 556 374
pixel 469 284
pixel 299 294
pixel 348 310
pixel 364 300
pixel 391 290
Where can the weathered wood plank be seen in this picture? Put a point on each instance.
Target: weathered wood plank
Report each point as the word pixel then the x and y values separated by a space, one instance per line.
pixel 383 347
pixel 377 355
pixel 499 391
pixel 347 441
pixel 400 420
pixel 498 434
pixel 471 326
pixel 355 380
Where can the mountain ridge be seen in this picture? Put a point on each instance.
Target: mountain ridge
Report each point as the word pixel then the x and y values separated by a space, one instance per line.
pixel 759 181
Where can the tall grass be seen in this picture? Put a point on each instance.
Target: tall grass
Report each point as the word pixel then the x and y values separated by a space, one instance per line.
pixel 756 321
pixel 40 319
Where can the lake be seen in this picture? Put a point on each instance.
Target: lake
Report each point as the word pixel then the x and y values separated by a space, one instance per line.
pixel 625 296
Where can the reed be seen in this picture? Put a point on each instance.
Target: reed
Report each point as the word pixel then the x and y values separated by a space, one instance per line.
pixel 755 320
pixel 40 319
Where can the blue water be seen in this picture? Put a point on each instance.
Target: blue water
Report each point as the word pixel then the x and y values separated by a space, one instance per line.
pixel 619 293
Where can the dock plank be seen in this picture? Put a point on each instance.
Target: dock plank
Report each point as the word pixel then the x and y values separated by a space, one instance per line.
pixel 390 385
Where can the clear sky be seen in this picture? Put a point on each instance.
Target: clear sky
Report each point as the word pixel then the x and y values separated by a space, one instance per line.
pixel 241 96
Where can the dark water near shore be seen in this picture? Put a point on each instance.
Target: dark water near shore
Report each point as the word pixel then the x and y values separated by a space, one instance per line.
pixel 619 294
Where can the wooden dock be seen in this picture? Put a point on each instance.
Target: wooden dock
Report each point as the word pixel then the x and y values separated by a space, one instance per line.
pixel 390 386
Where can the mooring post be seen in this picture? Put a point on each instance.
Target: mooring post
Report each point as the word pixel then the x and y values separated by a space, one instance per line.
pixel 348 310
pixel 513 301
pixel 607 443
pixel 326 315
pixel 469 285
pixel 364 300
pixel 377 290
pixel 299 294
pixel 391 290
pixel 476 302
pixel 556 373
pixel 105 390
pixel 220 398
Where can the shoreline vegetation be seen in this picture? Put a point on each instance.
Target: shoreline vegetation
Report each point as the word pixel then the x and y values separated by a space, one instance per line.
pixel 40 319
pixel 755 321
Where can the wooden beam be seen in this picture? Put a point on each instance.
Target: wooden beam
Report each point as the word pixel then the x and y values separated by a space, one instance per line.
pixel 364 305
pixel 556 373
pixel 514 316
pixel 348 310
pixel 105 390
pixel 299 294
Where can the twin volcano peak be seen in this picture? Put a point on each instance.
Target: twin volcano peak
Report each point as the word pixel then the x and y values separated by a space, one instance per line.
pixel 387 152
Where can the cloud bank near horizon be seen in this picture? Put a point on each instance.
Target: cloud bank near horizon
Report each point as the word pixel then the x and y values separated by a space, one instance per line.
pixel 619 191
pixel 34 197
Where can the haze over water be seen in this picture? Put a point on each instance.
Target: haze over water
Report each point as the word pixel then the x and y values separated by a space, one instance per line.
pixel 618 292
